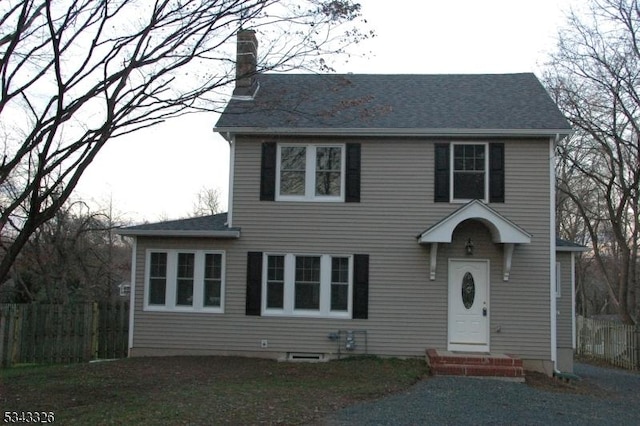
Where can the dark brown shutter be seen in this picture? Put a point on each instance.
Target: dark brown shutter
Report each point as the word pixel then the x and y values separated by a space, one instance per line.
pixel 254 283
pixel 496 172
pixel 352 178
pixel 441 178
pixel 361 286
pixel 268 172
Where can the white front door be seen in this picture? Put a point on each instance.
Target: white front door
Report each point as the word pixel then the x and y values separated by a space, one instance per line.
pixel 469 305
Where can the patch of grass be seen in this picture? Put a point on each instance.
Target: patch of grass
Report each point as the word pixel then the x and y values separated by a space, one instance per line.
pixel 203 390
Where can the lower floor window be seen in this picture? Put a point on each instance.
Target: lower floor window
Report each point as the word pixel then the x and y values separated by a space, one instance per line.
pixel 184 280
pixel 307 285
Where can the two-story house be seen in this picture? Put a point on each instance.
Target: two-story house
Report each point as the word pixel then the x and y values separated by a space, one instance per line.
pixel 380 214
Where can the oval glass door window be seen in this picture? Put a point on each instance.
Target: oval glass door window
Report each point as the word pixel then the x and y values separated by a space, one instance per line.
pixel 468 290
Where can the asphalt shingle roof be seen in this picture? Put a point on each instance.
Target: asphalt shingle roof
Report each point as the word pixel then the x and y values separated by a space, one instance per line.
pixel 400 101
pixel 205 225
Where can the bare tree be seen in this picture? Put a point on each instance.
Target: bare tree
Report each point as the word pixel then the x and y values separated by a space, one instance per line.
pixel 73 257
pixel 76 73
pixel 208 202
pixel 595 78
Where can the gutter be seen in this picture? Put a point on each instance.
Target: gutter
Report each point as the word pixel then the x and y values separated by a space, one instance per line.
pixel 232 234
pixel 227 132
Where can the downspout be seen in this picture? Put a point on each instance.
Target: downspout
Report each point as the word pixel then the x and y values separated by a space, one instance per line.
pixel 132 293
pixel 552 255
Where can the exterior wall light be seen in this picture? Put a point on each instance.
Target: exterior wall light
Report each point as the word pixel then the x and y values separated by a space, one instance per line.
pixel 469 247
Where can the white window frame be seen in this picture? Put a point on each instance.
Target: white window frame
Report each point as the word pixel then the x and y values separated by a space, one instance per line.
pixel 171 284
pixel 452 172
pixel 310 173
pixel 289 287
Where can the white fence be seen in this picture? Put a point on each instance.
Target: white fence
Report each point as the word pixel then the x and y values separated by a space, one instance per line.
pixel 615 343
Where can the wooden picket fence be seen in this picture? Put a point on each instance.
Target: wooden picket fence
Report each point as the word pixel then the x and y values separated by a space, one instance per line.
pixel 618 344
pixel 47 334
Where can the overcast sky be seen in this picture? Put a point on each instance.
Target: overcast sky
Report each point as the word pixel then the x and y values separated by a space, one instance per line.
pixel 155 174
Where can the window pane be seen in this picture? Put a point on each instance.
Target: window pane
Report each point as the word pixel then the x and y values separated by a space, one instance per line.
pixel 307 285
pixel 292 170
pixel 328 183
pixel 275 282
pixel 212 292
pixel 340 270
pixel 307 296
pixel 469 171
pixel 184 294
pixel 157 278
pixel 158 265
pixel 275 295
pixel 184 279
pixel 468 185
pixel 213 266
pixel 157 291
pixel 339 297
pixel 328 170
pixel 185 265
pixel 339 284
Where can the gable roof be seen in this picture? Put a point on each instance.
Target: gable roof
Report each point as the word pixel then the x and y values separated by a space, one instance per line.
pixel 204 226
pixel 409 104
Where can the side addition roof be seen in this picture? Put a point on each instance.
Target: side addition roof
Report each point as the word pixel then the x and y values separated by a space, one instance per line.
pixel 407 104
pixel 205 226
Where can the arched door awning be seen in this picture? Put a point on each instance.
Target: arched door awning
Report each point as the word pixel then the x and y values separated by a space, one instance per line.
pixel 502 231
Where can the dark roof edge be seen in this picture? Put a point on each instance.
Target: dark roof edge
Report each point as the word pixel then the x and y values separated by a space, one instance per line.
pixel 564 245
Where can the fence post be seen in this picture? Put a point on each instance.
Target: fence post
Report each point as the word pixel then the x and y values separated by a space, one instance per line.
pixel 95 322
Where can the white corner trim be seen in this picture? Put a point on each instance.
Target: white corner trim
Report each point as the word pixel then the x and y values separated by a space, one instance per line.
pixel 132 294
pixel 508 256
pixel 433 261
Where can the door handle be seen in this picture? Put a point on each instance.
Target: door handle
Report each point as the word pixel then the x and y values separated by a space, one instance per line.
pixel 484 312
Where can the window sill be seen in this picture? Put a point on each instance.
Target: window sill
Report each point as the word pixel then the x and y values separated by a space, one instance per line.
pixel 183 310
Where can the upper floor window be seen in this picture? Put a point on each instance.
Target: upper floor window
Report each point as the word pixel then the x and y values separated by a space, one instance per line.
pixel 184 280
pixel 465 171
pixel 310 172
pixel 468 172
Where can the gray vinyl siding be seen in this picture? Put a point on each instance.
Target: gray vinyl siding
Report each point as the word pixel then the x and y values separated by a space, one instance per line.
pixel 563 303
pixel 407 311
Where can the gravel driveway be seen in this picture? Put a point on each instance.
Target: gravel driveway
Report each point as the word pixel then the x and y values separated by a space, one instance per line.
pixel 613 398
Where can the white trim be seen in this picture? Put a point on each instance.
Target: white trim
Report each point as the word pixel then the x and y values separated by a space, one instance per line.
pixel 558 279
pixel 552 254
pixel 170 304
pixel 363 131
pixel 178 233
pixel 311 150
pixel 452 171
pixel 132 295
pixel 232 169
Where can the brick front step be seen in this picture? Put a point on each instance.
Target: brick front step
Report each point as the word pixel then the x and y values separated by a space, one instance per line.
pixel 479 365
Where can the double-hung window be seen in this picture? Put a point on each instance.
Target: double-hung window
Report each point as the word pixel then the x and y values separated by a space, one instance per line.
pixel 311 285
pixel 310 172
pixel 184 280
pixel 469 178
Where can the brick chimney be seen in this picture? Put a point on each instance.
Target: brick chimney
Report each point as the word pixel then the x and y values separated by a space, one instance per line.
pixel 246 64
